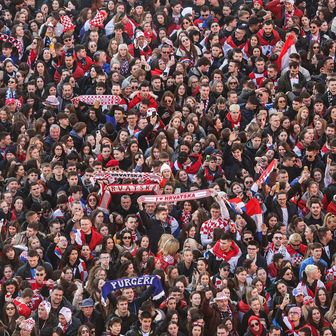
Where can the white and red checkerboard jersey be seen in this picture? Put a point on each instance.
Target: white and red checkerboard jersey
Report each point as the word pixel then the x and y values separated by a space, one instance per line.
pixel 208 226
pixel 258 78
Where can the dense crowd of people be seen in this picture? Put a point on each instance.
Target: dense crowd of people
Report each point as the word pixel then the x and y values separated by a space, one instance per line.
pixel 105 103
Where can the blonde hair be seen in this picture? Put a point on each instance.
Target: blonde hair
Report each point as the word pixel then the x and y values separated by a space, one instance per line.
pixel 193 245
pixel 168 245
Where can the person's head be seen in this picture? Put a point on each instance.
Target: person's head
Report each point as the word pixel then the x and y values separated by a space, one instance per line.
pixel 225 242
pixel 254 324
pixel 114 325
pixel 56 296
pixel 294 314
pixel 33 258
pixel 43 310
pixel 122 305
pixel 87 307
pixel 145 321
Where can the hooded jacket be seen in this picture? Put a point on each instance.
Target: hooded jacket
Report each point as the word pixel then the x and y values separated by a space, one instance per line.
pixel 217 255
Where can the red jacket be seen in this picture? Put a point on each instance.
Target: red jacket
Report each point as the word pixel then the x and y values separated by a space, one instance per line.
pixel 84 63
pixel 96 239
pixel 277 9
pixel 138 98
pixel 77 72
pixel 193 167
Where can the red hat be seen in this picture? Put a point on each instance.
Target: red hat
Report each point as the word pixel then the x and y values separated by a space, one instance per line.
pixel 149 34
pixel 10 101
pixel 112 163
pixel 260 2
pixel 67 23
pixel 98 20
pixel 253 318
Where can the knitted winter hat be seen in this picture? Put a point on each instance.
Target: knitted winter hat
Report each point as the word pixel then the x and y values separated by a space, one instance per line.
pixel 46 305
pixel 67 23
pixel 66 312
pixel 98 20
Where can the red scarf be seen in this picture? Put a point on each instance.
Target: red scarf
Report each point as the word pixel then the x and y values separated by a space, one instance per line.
pixel 219 253
pixel 233 123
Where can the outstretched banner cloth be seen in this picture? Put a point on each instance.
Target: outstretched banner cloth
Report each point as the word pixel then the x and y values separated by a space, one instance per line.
pixel 193 195
pixel 113 175
pixel 146 280
pixel 103 99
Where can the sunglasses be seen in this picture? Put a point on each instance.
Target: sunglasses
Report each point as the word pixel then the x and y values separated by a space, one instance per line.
pixel 39 274
pixel 255 324
pixel 127 237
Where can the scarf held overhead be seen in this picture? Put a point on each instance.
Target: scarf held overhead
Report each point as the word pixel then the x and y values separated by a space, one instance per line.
pixel 146 280
pixel 16 43
pixel 111 176
pixel 176 197
pixel 131 188
pixel 103 99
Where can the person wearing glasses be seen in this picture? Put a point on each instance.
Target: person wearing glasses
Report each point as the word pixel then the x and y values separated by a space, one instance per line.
pixel 255 327
pixel 253 249
pixel 276 247
pixel 296 249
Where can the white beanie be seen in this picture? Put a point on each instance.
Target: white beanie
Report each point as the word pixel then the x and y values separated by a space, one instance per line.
pixel 66 312
pixel 164 167
pixel 46 305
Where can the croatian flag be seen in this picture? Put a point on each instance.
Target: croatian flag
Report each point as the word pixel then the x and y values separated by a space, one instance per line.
pixel 264 177
pixel 237 203
pixel 287 49
pixel 252 208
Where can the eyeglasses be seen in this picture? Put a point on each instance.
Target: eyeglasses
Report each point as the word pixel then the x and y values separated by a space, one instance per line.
pixel 67 40
pixel 215 25
pixel 255 324
pixel 248 239
pixel 277 238
pixel 185 40
pixel 11 82
pixel 127 237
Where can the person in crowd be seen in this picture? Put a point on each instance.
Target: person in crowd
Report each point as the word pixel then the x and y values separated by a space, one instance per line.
pixel 168 168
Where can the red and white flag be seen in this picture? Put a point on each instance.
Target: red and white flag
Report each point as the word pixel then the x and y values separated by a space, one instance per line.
pixel 264 177
pixel 287 49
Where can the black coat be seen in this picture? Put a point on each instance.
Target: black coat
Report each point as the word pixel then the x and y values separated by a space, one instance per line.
pixel 273 206
pixel 45 327
pixel 96 319
pixel 25 271
pixel 284 84
pixel 155 229
pixel 260 262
